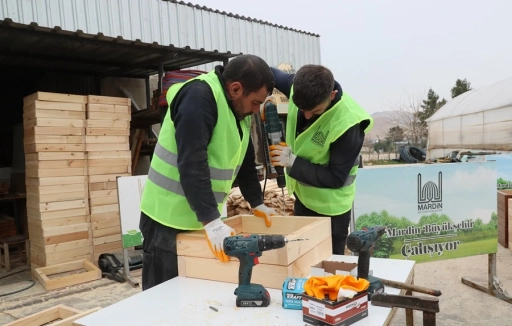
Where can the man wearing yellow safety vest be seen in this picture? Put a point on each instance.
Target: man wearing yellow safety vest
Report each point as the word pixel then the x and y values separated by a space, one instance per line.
pixel 203 146
pixel 324 136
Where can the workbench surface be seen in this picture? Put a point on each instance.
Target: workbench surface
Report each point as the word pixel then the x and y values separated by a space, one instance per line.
pixel 187 301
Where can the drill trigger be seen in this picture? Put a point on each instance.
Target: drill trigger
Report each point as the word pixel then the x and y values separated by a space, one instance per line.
pixel 256 261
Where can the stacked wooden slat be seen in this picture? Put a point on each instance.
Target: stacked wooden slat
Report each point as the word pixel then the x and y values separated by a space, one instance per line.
pixel 56 178
pixel 109 156
pixel 273 198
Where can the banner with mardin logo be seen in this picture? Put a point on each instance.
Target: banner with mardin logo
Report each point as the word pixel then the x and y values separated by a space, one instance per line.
pixel 432 211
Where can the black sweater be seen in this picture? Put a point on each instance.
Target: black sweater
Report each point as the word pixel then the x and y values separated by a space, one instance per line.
pixel 194 113
pixel 343 152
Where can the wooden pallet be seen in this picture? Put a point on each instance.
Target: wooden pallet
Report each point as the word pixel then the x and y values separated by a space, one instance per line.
pixel 107 131
pixel 195 259
pixel 56 178
pixel 91 273
pixel 60 315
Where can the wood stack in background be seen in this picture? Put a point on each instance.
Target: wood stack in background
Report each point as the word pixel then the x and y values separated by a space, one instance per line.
pixel 108 156
pixel 237 205
pixel 56 178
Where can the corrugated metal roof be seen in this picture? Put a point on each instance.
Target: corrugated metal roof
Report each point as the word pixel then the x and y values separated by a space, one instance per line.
pixel 240 17
pixel 170 22
pixel 59 50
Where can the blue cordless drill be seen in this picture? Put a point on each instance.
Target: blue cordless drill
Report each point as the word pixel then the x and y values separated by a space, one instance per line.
pixel 248 248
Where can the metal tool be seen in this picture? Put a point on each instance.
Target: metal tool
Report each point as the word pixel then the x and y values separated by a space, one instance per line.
pixel 362 242
pixel 247 248
pixel 273 134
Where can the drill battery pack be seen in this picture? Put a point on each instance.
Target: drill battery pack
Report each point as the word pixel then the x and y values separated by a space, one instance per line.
pixel 292 293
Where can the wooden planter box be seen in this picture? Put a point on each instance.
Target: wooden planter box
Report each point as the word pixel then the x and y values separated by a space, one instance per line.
pixel 503 219
pixel 195 259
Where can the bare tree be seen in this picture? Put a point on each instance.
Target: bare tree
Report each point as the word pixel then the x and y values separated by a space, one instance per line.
pixel 405 113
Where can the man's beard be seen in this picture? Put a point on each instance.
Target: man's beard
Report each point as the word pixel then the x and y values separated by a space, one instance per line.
pixel 239 111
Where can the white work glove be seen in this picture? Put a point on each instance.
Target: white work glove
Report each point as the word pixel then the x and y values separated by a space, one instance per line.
pixel 264 212
pixel 281 155
pixel 216 231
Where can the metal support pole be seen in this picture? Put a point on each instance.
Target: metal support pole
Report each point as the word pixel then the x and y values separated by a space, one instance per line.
pixel 126 270
pixel 494 286
pixel 163 110
pixel 148 94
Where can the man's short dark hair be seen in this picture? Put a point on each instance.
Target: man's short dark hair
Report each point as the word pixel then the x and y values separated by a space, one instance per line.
pixel 251 71
pixel 312 86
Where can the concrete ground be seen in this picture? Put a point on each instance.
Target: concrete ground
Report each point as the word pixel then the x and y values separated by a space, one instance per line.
pixel 459 303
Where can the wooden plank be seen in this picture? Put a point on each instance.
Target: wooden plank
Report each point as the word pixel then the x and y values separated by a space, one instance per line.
pixel 115 230
pixel 107 147
pixel 33 113
pixel 55 156
pixel 59 164
pixel 56 181
pixel 123 169
pixel 105 224
pixel 98 186
pixel 57 106
pixel 57 189
pixel 55 97
pixel 45 122
pixel 59 131
pixel 108 131
pixel 107 123
pixel 103 201
pixel 106 239
pixel 58 222
pixel 100 155
pixel 102 193
pixel 100 108
pixel 105 178
pixel 62 196
pixel 108 247
pixel 94 99
pixel 104 209
pixel 33 148
pixel 32 213
pixel 62 172
pixel 268 275
pixel 57 206
pixel 108 116
pixel 54 139
pixel 105 217
pixel 93 273
pixel 39 318
pixel 51 258
pixel 68 245
pixel 106 139
pixel 69 321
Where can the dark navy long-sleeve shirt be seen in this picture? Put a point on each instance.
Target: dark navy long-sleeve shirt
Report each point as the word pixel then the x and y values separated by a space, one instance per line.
pixel 343 152
pixel 194 113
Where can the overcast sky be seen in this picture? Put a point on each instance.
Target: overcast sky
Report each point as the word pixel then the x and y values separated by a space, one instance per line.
pixel 380 51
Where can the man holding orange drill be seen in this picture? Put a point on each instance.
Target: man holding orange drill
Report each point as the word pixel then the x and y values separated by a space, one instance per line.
pixel 325 131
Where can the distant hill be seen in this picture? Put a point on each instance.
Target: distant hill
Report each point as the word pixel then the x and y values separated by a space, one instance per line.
pixel 383 121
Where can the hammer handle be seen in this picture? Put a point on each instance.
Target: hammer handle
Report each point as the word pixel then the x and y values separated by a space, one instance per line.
pixel 411 287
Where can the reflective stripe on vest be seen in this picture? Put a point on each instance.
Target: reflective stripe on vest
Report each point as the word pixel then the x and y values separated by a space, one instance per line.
pixel 313 144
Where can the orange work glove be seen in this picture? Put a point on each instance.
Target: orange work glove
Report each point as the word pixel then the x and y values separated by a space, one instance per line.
pixel 264 212
pixel 281 155
pixel 322 286
pixel 216 231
